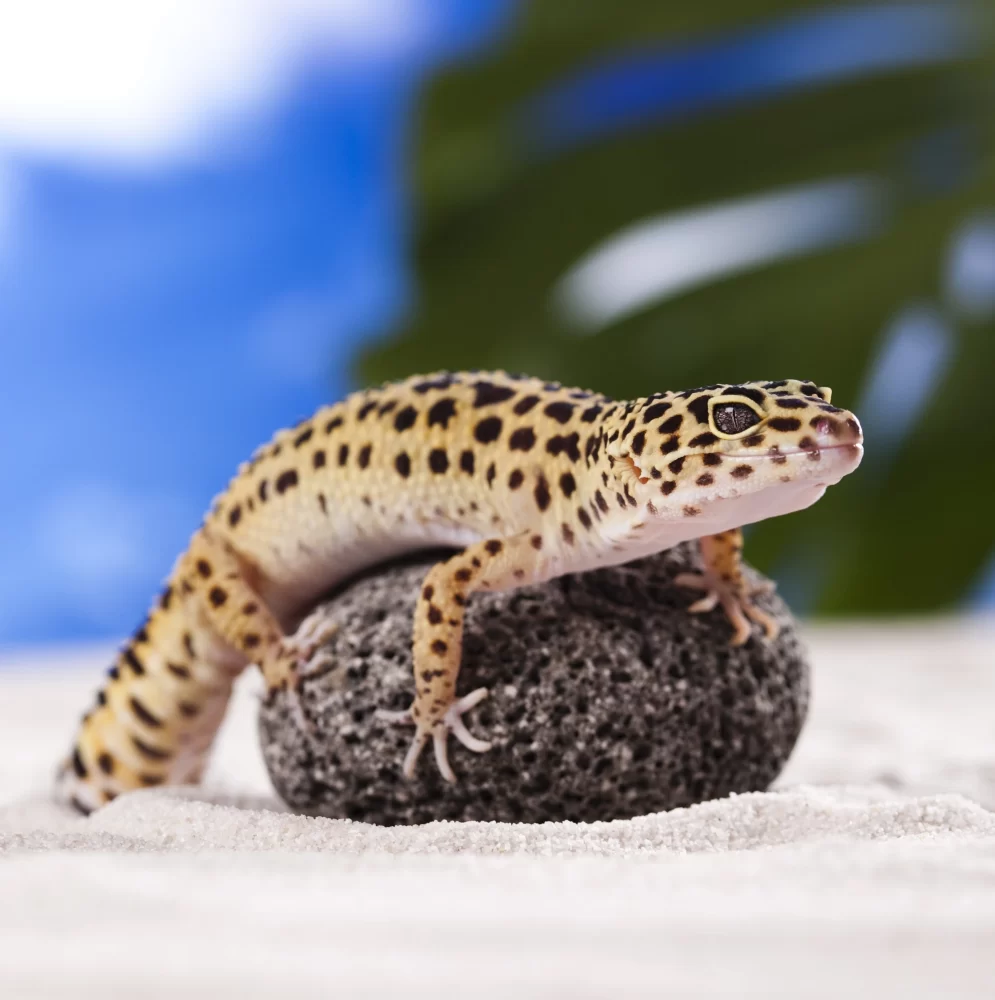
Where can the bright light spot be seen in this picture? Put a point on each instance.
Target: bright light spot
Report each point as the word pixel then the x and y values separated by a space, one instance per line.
pixel 662 257
pixel 910 363
pixel 970 272
pixel 139 80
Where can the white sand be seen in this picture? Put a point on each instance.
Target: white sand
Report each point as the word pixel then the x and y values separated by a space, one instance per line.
pixel 871 871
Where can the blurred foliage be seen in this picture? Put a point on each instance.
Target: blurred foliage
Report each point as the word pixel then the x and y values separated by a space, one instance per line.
pixel 496 226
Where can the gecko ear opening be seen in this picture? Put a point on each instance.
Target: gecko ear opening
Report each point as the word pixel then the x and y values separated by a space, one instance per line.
pixel 629 465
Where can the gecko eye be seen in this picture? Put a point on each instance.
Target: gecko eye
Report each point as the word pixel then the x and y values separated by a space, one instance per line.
pixel 732 419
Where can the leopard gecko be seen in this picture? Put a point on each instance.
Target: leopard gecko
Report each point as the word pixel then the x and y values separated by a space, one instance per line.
pixel 527 479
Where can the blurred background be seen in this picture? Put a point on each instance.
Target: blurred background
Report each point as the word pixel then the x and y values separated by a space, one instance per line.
pixel 215 217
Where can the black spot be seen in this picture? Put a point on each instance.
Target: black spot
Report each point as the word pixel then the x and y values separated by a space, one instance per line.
pixel 204 568
pixel 364 455
pixel 442 412
pixel 286 480
pixel 438 461
pixel 166 597
pixel 711 459
pixel 567 443
pixel 403 464
pixel 536 542
pixel 621 500
pixel 560 412
pixel 601 501
pixel 488 393
pixel 628 428
pixel 365 410
pixel 705 479
pixel 333 424
pixel 434 615
pixel 811 389
pixel 319 459
pixel 144 714
pixel 671 444
pixel 568 484
pixel 668 487
pixel 149 780
pixel 439 647
pixel 303 437
pixel 590 414
pixel 791 404
pixel 488 430
pixel 405 418
pixel 386 407
pixel 671 424
pixel 690 511
pixel 491 473
pixel 698 408
pixel 522 440
pixel 217 596
pixel 775 385
pixel 525 404
pixel 676 465
pixel 654 411
pixel 742 471
pixel 493 547
pixel 703 440
pixel 322 503
pixel 234 516
pixel 784 423
pixel 516 479
pixel 78 766
pixel 131 658
pixel 188 645
pixel 568 534
pixel 263 487
pixel 149 752
pixel 754 441
pixel 466 462
pixel 106 763
pixel 542 493
pixel 744 390
pixel 343 454
pixel 638 443
pixel 444 381
pixel 584 518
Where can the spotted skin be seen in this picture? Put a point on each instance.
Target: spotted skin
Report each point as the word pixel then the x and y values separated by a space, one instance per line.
pixel 527 479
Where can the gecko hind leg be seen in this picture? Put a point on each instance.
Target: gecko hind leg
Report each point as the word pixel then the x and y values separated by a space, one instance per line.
pixel 723 582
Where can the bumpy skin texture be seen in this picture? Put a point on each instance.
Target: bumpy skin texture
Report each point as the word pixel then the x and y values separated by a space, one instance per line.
pixel 607 701
pixel 530 479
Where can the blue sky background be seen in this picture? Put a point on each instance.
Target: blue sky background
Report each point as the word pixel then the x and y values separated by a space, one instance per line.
pixel 160 319
pixel 162 312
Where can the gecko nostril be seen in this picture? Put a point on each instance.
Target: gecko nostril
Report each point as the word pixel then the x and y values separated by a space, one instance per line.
pixel 822 426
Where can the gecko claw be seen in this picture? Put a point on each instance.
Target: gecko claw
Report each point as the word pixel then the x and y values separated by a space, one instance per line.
pixel 739 609
pixel 451 722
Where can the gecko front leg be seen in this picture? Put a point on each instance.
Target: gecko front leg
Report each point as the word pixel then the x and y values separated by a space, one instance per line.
pixel 724 583
pixel 495 564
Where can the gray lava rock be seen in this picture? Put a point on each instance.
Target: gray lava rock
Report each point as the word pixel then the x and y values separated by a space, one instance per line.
pixel 608 700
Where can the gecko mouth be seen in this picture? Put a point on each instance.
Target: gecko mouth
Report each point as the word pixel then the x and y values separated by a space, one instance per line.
pixel 813 452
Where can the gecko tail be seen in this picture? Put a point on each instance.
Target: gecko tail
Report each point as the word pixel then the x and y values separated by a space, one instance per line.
pixel 157 714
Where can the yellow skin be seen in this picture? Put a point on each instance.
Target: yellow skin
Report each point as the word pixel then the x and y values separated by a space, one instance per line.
pixel 530 480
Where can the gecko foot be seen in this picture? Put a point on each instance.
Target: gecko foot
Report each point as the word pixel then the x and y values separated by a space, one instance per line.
pixel 438 732
pixel 739 609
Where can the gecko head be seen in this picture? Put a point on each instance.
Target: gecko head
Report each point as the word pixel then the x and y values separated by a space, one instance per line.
pixel 727 449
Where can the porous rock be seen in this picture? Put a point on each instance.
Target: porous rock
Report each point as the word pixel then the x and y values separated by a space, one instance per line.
pixel 608 700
